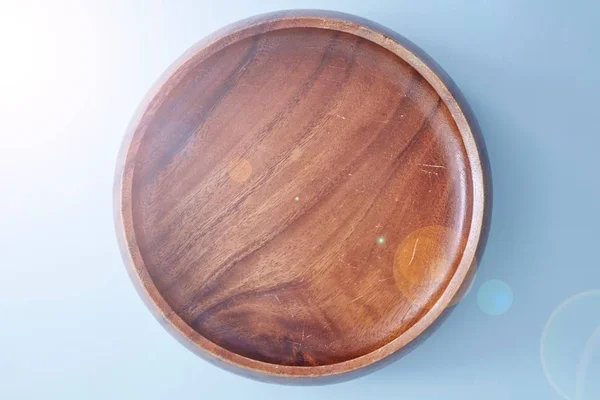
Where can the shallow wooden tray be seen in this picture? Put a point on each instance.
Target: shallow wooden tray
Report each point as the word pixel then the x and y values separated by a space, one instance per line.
pixel 301 195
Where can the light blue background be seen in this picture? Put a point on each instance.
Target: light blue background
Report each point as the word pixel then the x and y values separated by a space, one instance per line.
pixel 71 77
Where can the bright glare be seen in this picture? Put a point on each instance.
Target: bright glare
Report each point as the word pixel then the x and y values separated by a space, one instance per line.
pixel 47 68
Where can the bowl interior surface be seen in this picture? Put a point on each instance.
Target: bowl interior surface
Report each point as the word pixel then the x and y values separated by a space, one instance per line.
pixel 300 196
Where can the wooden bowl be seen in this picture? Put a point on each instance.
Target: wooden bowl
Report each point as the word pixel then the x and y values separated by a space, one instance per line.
pixel 301 195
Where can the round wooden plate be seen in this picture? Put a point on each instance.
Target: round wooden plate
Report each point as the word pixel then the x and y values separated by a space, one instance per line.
pixel 301 195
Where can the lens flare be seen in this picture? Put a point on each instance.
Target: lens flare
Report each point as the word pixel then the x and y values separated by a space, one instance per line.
pixel 570 347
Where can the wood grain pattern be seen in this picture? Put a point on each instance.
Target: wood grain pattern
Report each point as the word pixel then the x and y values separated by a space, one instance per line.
pixel 301 195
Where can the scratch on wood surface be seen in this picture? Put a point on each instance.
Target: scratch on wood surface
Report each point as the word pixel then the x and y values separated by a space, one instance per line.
pixel 277 297
pixel 339 116
pixel 432 166
pixel 406 312
pixel 414 251
pixel 356 298
pixel 429 172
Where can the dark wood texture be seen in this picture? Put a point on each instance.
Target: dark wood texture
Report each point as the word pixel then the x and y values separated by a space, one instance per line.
pixel 300 196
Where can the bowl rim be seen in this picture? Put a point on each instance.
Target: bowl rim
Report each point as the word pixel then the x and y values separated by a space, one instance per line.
pixel 332 20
